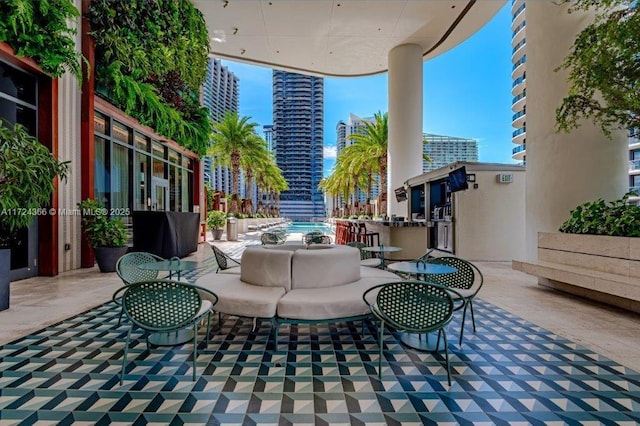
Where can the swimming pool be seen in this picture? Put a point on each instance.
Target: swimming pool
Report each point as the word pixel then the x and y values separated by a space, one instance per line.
pixel 304 227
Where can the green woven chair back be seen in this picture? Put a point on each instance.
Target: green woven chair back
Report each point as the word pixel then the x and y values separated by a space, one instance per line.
pixel 415 307
pixel 364 254
pixel 128 271
pixel 272 238
pixel 221 258
pixel 161 305
pixel 462 279
pixel 316 237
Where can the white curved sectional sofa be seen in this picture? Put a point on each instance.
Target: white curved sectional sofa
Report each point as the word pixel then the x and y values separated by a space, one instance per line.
pixel 296 283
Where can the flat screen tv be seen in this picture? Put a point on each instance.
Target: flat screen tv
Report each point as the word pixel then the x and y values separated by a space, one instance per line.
pixel 401 194
pixel 458 179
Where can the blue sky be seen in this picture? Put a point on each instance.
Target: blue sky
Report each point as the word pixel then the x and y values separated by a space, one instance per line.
pixel 467 93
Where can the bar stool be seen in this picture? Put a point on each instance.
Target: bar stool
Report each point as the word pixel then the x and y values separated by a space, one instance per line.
pixel 367 237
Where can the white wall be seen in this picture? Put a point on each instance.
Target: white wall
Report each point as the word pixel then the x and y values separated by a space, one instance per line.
pixel 563 170
pixel 489 220
pixel 69 231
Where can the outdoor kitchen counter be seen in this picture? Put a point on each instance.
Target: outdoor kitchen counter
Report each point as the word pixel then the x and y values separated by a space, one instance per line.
pixel 411 236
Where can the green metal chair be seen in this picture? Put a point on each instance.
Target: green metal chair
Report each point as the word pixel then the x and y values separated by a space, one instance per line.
pixel 272 238
pixel 413 307
pixel 467 281
pixel 316 237
pixel 129 272
pixel 223 259
pixel 165 306
pixel 366 257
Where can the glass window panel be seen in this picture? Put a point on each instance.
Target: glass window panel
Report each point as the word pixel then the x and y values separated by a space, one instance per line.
pixel 158 168
pixel 18 84
pixel 121 133
pixel 175 188
pixel 158 149
pixel 185 191
pixel 174 157
pixel 101 173
pixel 120 185
pixel 101 123
pixel 15 113
pixel 142 199
pixel 141 142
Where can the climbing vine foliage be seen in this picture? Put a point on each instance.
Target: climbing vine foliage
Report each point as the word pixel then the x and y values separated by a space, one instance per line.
pixel 39 29
pixel 151 58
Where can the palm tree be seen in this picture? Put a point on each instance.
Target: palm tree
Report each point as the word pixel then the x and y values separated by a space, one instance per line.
pixel 232 137
pixel 252 159
pixel 374 140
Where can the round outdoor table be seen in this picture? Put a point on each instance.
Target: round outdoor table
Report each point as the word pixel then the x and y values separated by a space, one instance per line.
pixel 428 341
pixel 172 266
pixel 381 250
pixel 176 265
pixel 421 268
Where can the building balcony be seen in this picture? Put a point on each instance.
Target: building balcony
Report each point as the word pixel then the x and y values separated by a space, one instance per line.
pixel 518 16
pixel 518 136
pixel 518 33
pixel 634 167
pixel 518 153
pixel 519 118
pixel 519 102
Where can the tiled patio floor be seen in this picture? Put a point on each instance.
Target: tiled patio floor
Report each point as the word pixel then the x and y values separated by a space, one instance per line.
pixel 538 357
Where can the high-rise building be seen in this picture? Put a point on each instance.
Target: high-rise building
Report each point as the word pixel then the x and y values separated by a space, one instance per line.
pixel 268 136
pixel 220 95
pixel 444 150
pixel 298 102
pixel 354 124
pixel 519 77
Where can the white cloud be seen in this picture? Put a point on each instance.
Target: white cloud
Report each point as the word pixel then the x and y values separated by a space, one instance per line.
pixel 330 152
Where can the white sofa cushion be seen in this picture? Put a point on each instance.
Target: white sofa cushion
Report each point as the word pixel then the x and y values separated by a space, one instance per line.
pixel 338 302
pixel 233 271
pixel 327 267
pixel 266 268
pixel 238 298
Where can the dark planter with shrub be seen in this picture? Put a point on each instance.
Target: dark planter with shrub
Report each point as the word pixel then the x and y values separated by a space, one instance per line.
pixel 107 257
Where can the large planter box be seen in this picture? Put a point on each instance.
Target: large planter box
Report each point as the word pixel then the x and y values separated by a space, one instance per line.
pixel 598 267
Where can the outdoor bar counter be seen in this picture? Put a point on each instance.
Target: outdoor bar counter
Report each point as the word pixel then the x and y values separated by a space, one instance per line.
pixel 411 236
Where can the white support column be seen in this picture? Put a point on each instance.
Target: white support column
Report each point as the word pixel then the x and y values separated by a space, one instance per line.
pixel 405 121
pixel 563 169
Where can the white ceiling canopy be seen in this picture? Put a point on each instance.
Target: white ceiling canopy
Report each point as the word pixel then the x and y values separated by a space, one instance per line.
pixel 338 37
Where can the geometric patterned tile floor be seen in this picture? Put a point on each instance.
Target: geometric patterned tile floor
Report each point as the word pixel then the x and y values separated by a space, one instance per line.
pixel 509 372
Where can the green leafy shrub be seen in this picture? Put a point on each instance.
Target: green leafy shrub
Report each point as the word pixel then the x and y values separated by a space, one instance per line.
pixel 616 218
pixel 101 230
pixel 27 170
pixel 216 219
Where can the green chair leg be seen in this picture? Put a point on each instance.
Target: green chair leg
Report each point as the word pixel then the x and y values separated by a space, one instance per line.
pixel 208 328
pixel 380 343
pixel 124 358
pixel 195 349
pixel 464 315
pixel 473 319
pixel 446 354
pixel 120 316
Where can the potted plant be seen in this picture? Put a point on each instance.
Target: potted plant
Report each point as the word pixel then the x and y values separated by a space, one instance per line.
pixel 216 220
pixel 27 171
pixel 107 236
